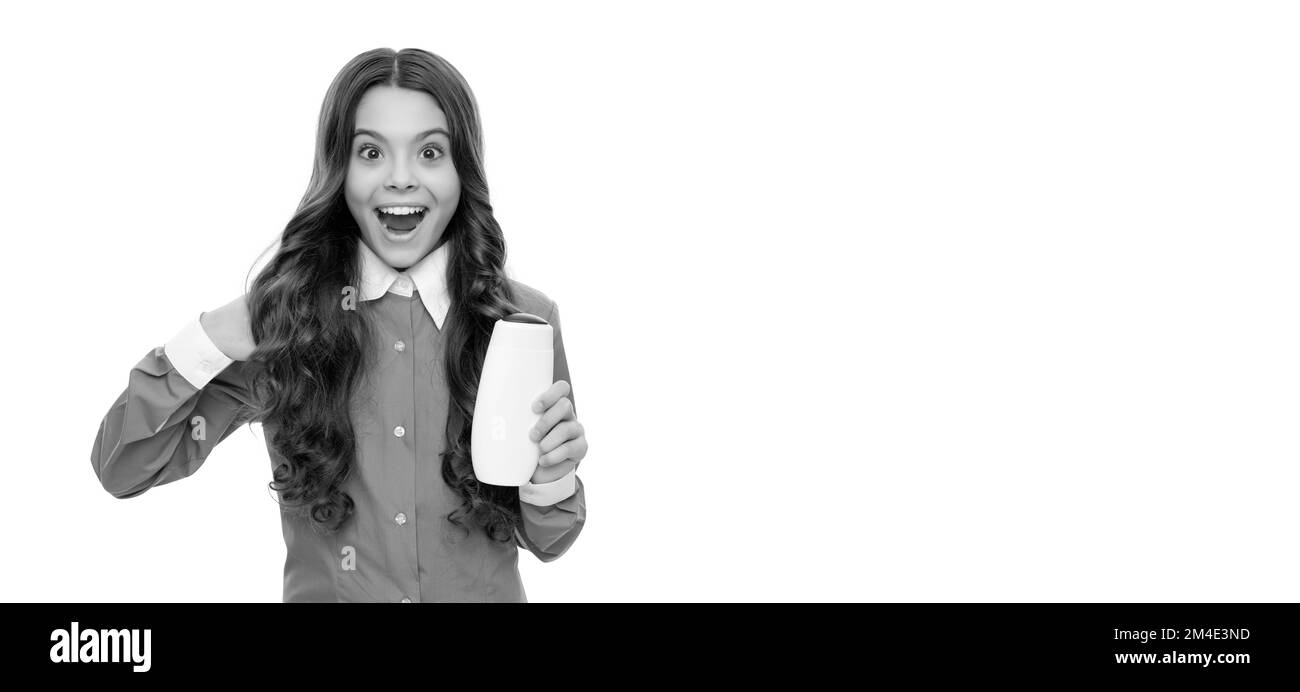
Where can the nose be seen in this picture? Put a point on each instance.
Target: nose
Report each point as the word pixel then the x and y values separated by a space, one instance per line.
pixel 399 178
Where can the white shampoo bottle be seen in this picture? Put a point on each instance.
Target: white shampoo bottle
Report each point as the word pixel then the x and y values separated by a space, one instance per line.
pixel 517 369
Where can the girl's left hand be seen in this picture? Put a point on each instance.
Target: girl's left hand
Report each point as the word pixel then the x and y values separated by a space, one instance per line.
pixel 563 441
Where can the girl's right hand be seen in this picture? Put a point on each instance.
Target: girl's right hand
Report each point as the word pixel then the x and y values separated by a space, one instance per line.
pixel 230 328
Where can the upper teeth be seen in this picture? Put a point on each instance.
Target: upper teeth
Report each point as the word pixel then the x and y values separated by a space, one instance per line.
pixel 401 210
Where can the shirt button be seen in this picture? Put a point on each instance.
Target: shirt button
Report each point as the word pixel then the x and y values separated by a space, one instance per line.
pixel 406 600
pixel 399 346
pixel 399 431
pixel 400 518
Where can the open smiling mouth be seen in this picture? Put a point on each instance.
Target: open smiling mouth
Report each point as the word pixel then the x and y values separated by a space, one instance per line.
pixel 401 220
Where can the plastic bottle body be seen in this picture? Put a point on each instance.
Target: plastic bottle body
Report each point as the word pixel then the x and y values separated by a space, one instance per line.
pixel 518 368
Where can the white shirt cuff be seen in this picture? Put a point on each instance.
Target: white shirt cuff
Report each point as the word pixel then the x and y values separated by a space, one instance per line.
pixel 544 494
pixel 194 355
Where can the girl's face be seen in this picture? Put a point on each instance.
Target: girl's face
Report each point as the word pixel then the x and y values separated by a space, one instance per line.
pixel 401 157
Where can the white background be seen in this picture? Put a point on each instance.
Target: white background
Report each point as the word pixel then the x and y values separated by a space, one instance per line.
pixel 863 301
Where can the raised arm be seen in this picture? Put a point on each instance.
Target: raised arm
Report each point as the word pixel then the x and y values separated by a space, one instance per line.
pixel 181 400
pixel 553 513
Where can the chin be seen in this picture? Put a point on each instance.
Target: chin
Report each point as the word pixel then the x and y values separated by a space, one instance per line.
pixel 402 256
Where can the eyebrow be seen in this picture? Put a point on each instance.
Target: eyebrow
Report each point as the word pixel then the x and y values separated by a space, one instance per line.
pixel 435 131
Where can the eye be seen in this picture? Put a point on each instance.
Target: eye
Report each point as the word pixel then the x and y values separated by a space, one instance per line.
pixel 367 147
pixel 433 147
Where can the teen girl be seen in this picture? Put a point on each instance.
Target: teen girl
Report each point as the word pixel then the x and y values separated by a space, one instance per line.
pixel 359 348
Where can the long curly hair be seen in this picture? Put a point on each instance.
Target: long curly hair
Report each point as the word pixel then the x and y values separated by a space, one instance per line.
pixel 313 355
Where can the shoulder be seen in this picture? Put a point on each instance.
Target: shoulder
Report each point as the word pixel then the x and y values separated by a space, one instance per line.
pixel 531 300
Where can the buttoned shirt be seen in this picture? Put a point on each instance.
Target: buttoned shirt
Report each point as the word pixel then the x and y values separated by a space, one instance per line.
pixel 398 545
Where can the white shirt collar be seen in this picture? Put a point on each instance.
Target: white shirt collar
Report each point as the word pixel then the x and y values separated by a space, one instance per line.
pixel 429 277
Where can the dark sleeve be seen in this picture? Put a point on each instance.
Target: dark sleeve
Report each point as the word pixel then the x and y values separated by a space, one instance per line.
pixel 549 530
pixel 162 426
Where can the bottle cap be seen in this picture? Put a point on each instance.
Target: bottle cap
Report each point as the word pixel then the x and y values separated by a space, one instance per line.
pixel 522 331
